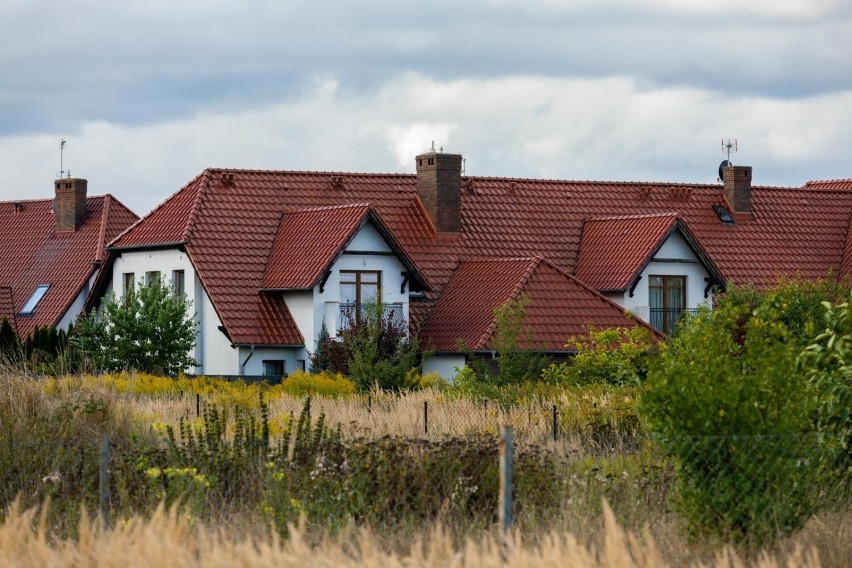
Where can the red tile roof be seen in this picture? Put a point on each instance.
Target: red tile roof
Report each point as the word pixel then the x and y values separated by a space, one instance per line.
pixel 7 306
pixel 559 306
pixel 307 242
pixel 837 184
pixel 613 250
pixel 231 218
pixel 33 253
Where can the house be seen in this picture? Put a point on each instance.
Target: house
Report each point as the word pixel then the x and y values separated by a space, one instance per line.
pixel 269 257
pixel 52 252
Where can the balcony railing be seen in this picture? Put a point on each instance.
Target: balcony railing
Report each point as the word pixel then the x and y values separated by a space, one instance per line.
pixel 348 313
pixel 665 319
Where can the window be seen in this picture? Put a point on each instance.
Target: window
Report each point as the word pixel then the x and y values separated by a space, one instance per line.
pixel 128 280
pixel 35 298
pixel 667 297
pixel 358 288
pixel 178 283
pixel 724 215
pixel 151 277
pixel 273 368
pixel 300 364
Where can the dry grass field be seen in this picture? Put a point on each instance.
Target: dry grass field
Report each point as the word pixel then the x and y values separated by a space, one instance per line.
pixel 598 445
pixel 172 540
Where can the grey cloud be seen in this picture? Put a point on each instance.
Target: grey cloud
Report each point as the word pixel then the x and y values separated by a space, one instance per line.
pixel 69 63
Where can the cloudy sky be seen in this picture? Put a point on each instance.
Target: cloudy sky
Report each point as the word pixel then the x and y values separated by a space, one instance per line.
pixel 148 93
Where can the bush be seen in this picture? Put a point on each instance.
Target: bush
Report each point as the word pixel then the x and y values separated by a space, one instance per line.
pixel 616 356
pixel 727 399
pixel 323 384
pixel 374 350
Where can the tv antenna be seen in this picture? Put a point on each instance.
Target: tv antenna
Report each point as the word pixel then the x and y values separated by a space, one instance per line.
pixel 61 158
pixel 729 145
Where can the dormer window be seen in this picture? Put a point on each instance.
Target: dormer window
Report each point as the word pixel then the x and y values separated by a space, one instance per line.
pixel 30 307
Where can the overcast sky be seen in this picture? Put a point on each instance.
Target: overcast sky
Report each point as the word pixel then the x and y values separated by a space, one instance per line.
pixel 150 92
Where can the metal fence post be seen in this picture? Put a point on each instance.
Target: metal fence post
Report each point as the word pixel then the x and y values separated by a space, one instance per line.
pixel 197 405
pixel 369 404
pixel 103 481
pixel 425 416
pixel 504 512
pixel 555 424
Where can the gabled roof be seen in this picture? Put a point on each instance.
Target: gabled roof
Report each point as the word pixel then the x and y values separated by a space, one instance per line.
pixel 309 241
pixel 230 219
pixel 33 254
pixel 615 250
pixel 559 305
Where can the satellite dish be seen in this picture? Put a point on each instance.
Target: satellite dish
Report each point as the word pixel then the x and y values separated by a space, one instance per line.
pixel 724 164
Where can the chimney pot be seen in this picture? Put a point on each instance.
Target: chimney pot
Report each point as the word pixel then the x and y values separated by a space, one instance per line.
pixel 69 206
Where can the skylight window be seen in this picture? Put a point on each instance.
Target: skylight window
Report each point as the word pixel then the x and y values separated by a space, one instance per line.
pixel 35 298
pixel 724 215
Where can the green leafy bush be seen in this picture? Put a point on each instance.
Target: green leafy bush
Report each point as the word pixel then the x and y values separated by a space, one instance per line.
pixel 616 356
pixel 726 398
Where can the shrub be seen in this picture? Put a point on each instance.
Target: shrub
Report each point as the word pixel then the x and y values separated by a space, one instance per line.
pixel 374 350
pixel 726 399
pixel 616 356
pixel 323 383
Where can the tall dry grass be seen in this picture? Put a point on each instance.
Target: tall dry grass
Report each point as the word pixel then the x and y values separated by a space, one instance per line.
pixel 172 540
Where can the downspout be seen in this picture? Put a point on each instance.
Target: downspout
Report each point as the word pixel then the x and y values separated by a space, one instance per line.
pixel 243 366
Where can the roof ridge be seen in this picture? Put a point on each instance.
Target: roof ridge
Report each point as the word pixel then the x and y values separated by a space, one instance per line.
pixel 634 217
pixel 514 294
pixel 327 208
pixel 99 252
pixel 206 175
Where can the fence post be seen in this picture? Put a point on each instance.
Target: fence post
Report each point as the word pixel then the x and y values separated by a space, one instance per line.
pixel 103 481
pixel 504 512
pixel 197 405
pixel 555 424
pixel 425 416
pixel 369 404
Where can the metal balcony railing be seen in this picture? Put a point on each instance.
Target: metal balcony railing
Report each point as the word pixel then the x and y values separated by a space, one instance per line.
pixel 665 319
pixel 349 312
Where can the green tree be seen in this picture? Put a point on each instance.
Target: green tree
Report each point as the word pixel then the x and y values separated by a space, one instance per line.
pixel 10 345
pixel 150 330
pixel 727 398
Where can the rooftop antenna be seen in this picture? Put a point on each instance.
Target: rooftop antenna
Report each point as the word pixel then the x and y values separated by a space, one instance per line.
pixel 728 145
pixel 61 158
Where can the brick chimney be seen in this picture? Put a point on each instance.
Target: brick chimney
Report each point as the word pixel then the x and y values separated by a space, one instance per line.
pixel 69 206
pixel 738 187
pixel 439 189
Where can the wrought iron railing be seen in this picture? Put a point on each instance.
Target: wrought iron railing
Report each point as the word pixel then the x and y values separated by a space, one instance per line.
pixel 350 312
pixel 665 319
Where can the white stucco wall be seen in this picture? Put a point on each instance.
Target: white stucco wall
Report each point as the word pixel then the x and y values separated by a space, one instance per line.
pixel 445 365
pixel 213 351
pixel 687 264
pixel 252 363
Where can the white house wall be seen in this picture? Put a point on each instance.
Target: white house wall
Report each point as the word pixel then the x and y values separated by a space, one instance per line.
pixel 251 361
pixel 445 365
pixel 685 263
pixel 212 351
